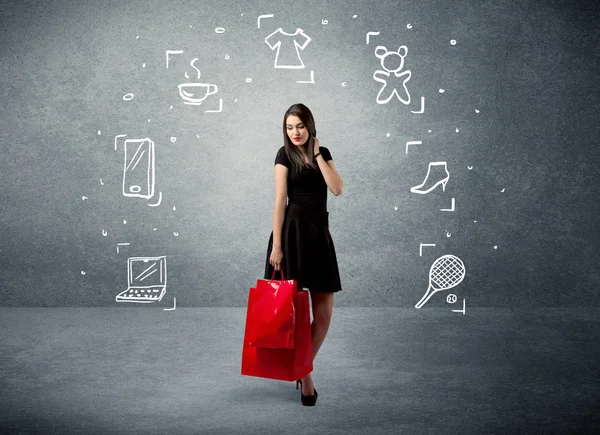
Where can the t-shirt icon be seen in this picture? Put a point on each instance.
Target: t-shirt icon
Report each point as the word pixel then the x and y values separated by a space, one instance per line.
pixel 288 56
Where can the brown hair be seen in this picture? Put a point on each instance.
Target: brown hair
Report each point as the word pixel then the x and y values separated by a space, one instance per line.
pixel 294 155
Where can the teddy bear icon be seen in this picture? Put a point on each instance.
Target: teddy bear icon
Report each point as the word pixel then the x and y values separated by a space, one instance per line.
pixel 390 77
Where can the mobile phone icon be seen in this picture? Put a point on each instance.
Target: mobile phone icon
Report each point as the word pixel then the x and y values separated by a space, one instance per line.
pixel 138 168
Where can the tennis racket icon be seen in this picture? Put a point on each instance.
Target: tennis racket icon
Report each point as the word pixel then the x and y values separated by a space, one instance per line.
pixel 446 272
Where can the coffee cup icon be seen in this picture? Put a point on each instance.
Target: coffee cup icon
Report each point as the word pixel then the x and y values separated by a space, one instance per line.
pixel 195 93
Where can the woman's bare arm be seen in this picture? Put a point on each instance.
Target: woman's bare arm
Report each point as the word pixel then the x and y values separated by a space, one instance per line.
pixel 281 173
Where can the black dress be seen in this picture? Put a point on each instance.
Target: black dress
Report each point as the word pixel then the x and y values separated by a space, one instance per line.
pixel 308 250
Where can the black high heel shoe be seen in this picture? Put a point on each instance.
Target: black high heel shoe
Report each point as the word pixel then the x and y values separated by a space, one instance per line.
pixel 307 400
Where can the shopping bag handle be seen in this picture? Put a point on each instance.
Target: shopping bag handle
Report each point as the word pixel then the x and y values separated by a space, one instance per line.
pixel 273 276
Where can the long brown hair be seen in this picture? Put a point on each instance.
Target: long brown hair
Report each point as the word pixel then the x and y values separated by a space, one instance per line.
pixel 294 155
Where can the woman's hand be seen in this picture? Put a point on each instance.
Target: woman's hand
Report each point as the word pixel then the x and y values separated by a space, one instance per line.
pixel 276 258
pixel 315 146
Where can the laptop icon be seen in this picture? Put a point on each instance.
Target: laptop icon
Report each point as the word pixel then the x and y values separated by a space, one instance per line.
pixel 146 280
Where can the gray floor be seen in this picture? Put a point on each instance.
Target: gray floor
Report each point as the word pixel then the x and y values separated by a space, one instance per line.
pixel 380 370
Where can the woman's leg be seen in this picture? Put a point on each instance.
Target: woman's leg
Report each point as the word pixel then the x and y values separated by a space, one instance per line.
pixel 322 308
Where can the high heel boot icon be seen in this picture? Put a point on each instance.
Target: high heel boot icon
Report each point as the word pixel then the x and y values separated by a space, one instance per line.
pixel 433 180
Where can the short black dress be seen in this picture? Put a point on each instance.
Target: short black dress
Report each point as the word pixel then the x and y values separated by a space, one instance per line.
pixel 308 250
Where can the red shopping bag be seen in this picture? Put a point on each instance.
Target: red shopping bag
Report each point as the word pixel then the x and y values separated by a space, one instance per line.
pixel 271 315
pixel 286 364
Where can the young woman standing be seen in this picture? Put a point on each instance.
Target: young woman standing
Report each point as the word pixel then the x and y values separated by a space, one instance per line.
pixel 300 241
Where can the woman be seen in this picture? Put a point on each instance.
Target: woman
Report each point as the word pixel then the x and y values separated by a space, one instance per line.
pixel 300 242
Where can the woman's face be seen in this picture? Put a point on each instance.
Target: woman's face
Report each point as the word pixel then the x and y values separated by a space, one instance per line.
pixel 296 130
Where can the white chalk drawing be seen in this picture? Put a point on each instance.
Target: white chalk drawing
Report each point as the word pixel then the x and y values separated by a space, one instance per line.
pixel 138 167
pixel 291 57
pixel 470 168
pixel 83 198
pixel 453 42
pixel 448 234
pixel 371 34
pixel 169 52
pixel 128 97
pixel 392 63
pixel 261 17
pixel 412 142
pixel 437 173
pixel 146 280
pixel 220 30
pixel 422 109
pixel 131 173
pixel 104 233
pixel 451 298
pixel 174 305
pixel 421 247
pixel 463 308
pixel 312 78
pixel 452 208
pixel 101 182
pixel 117 137
pixel 121 244
pixel 442 91
pixel 445 273
pixel 220 109
pixel 324 22
pixel 159 200
pixel 409 26
pixel 195 93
